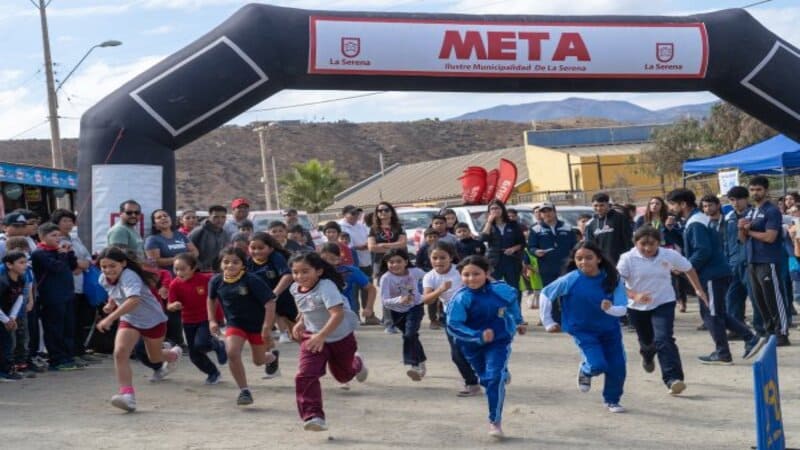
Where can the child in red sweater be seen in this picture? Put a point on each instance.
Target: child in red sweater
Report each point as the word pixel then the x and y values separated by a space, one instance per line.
pixel 188 293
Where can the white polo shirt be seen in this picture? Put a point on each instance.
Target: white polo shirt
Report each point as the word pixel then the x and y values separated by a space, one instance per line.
pixel 651 275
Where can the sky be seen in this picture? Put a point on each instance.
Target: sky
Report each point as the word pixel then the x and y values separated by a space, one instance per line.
pixel 151 30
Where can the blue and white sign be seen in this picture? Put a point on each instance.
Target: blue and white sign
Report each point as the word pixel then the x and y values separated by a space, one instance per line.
pixel 38 176
pixel 769 421
pixel 727 180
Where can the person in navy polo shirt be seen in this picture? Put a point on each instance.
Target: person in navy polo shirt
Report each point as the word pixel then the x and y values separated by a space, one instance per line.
pixel 761 230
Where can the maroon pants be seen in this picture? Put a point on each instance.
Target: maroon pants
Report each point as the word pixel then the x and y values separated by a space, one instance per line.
pixel 340 358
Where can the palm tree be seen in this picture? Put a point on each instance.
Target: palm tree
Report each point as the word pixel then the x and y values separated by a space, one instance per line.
pixel 311 185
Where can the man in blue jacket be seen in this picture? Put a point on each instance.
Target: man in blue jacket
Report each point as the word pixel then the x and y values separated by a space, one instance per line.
pixel 736 254
pixel 703 248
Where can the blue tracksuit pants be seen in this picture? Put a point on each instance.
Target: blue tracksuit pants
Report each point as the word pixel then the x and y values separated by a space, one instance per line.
pixel 490 363
pixel 603 352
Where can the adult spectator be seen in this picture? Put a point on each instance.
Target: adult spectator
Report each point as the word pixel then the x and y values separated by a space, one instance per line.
pixel 292 220
pixel 385 234
pixel 504 242
pixel 761 230
pixel 551 241
pixel 16 223
pixel 703 248
pixel 609 229
pixel 736 253
pixel 241 208
pixel 125 234
pixel 358 232
pixel 165 242
pixel 84 312
pixel 211 238
pixel 188 221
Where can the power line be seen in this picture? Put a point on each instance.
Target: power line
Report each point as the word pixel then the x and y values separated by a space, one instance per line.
pixel 755 4
pixel 27 130
pixel 298 105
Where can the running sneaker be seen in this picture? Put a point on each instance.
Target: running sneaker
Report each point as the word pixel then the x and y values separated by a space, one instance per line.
pixel 362 374
pixel 172 366
pixel 222 354
pixel 415 373
pixel 752 347
pixel 675 387
pixel 422 369
pixel 391 329
pixel 126 402
pixel 272 368
pixel 90 359
pixel 470 390
pixel 495 430
pixel 213 378
pixel 648 364
pixel 714 359
pixel 245 398
pixel 10 376
pixel 615 408
pixel 584 381
pixel 284 338
pixel 783 341
pixel 65 367
pixel 344 386
pixel 315 424
pixel 159 374
pixel 435 325
pixel 372 320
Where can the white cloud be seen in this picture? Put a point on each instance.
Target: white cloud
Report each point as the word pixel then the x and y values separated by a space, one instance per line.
pixel 66 38
pixel 9 76
pixel 163 29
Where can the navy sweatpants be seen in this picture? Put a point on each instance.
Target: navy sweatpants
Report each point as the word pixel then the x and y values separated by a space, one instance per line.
pixel 603 352
pixel 490 363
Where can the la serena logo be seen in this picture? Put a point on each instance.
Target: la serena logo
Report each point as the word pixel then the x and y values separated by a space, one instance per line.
pixel 350 48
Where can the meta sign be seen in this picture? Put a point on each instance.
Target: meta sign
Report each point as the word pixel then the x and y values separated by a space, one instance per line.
pixel 769 421
pixel 358 46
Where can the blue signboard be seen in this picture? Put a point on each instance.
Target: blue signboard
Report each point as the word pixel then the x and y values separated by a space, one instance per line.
pixel 769 421
pixel 38 176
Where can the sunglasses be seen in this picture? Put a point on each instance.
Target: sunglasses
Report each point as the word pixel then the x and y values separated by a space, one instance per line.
pixel 383 210
pixel 132 213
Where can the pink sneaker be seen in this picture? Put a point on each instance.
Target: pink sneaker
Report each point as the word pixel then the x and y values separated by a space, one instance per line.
pixel 495 430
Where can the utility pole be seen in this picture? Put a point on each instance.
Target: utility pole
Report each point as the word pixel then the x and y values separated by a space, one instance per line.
pixel 52 100
pixel 260 130
pixel 275 181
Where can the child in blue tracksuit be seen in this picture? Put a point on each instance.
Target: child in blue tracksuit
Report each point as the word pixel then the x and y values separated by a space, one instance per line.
pixel 592 297
pixel 482 317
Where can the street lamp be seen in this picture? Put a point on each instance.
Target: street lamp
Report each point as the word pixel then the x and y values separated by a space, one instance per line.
pixel 111 43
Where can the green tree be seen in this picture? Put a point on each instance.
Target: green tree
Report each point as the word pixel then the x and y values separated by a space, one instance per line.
pixel 311 185
pixel 674 145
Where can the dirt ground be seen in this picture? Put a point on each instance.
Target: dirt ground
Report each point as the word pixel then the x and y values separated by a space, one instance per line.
pixel 543 408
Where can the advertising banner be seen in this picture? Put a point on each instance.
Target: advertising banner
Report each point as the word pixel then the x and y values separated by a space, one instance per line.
pixel 727 180
pixel 381 46
pixel 769 421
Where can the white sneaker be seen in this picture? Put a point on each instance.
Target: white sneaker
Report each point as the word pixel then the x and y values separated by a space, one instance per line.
pixel 171 366
pixel 422 369
pixel 495 430
pixel 125 402
pixel 159 374
pixel 315 424
pixel 362 374
pixel 284 338
pixel 615 408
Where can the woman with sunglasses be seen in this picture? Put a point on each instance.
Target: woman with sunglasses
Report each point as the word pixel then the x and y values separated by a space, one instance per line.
pixel 125 234
pixel 504 241
pixel 385 234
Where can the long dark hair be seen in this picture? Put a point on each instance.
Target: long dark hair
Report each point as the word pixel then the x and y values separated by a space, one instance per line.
pixel 315 261
pixel 234 251
pixel 502 206
pixel 612 276
pixel 662 213
pixel 119 255
pixel 401 252
pixel 270 241
pixel 394 222
pixel 153 229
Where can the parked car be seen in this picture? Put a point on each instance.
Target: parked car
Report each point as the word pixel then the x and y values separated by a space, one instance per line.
pixel 475 216
pixel 566 213
pixel 261 220
pixel 414 222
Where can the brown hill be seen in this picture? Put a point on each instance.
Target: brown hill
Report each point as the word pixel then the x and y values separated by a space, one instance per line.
pixel 226 163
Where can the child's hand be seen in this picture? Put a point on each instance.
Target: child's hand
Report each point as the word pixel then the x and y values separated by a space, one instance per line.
pixel 11 325
pixel 522 328
pixel 174 306
pixel 297 331
pixel 29 306
pixel 447 285
pixel 488 335
pixel 213 327
pixel 163 293
pixel 104 325
pixel 109 307
pixel 367 312
pixel 266 334
pixel 643 298
pixel 701 294
pixel 407 300
pixel 315 343
pixel 606 304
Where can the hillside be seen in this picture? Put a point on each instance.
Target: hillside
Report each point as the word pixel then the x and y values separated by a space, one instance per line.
pixel 582 107
pixel 226 163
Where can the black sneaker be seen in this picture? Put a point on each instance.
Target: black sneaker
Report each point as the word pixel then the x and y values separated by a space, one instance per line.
pixel 10 376
pixel 783 341
pixel 714 359
pixel 584 381
pixel 245 398
pixel 702 327
pixel 272 369
pixel 752 347
pixel 648 364
pixel 732 336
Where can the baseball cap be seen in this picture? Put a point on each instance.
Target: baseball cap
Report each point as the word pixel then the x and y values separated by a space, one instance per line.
pixel 237 202
pixel 546 205
pixel 15 218
pixel 349 209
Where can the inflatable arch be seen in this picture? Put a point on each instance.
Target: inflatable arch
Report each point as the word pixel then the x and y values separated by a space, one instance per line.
pixel 128 139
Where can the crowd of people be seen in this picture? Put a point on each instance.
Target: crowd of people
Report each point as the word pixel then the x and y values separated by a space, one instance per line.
pixel 215 286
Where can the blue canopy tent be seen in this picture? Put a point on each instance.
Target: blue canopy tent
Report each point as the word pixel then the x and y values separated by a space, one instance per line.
pixel 778 155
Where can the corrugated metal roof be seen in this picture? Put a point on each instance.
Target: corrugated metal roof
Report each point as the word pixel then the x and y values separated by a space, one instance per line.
pixel 429 180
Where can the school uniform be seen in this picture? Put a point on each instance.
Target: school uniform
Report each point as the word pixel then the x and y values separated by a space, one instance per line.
pixel 56 293
pixel 271 271
pixel 338 353
pixel 736 255
pixel 433 280
pixel 654 322
pixel 405 317
pixel 470 246
pixel 471 311
pixel 193 295
pixel 11 304
pixel 244 304
pixel 597 333
pixel 354 280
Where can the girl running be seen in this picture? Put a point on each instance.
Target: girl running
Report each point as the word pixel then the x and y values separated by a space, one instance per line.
pixel 140 316
pixel 647 271
pixel 442 283
pixel 482 318
pixel 325 332
pixel 592 300
pixel 268 260
pixel 188 294
pixel 249 314
pixel 401 298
